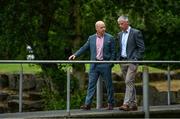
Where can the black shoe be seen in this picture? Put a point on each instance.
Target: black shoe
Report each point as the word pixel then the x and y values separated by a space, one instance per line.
pixel 110 107
pixel 86 107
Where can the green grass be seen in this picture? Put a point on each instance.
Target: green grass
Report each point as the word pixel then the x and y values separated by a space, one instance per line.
pixel 152 69
pixel 117 69
pixel 32 68
pixel 16 68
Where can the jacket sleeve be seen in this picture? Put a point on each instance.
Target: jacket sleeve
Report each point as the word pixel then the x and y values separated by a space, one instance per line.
pixel 85 47
pixel 140 44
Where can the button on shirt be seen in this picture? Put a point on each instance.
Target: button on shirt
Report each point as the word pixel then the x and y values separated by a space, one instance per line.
pixel 99 48
pixel 124 42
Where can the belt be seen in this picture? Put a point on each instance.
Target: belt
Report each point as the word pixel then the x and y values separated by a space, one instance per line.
pixel 99 60
pixel 123 58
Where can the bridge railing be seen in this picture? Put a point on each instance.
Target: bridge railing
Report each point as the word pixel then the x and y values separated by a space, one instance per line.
pixel 145 78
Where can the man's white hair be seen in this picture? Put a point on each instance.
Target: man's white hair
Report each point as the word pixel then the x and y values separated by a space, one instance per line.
pixel 124 18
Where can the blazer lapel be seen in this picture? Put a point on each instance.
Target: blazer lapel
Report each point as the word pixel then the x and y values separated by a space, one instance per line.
pixel 105 40
pixel 94 44
pixel 129 37
pixel 120 38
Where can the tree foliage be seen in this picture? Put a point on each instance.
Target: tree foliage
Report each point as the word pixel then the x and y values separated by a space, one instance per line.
pixel 52 27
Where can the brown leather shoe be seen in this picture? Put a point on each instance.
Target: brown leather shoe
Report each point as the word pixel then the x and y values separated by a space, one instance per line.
pixel 124 107
pixel 133 108
pixel 86 107
pixel 110 107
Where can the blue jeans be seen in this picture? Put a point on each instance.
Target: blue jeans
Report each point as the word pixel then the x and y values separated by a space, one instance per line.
pixel 97 70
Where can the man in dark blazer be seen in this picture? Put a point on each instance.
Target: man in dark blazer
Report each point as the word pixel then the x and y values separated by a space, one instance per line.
pixel 102 47
pixel 131 47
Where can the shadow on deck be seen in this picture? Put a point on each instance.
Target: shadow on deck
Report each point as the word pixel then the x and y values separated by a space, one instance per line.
pixel 171 111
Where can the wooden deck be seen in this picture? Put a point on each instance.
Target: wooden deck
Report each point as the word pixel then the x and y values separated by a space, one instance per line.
pixel 171 111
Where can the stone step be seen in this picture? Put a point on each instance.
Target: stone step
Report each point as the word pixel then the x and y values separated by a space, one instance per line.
pixel 34 95
pixel 3 96
pixel 27 105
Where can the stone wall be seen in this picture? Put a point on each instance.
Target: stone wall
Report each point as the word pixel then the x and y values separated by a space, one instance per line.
pixel 9 89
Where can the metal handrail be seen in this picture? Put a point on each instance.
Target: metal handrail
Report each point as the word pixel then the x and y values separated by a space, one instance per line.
pixel 87 61
pixel 145 76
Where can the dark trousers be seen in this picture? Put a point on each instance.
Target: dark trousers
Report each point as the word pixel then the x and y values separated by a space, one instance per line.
pixel 97 70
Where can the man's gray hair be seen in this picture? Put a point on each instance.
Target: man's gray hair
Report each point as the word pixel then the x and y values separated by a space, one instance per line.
pixel 124 18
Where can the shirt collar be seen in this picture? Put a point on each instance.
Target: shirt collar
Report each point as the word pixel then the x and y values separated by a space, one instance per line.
pixel 128 30
pixel 99 36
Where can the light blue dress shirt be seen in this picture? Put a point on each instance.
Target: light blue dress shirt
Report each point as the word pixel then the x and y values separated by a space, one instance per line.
pixel 124 42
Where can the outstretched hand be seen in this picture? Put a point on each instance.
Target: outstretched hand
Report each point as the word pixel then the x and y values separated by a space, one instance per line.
pixel 72 57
